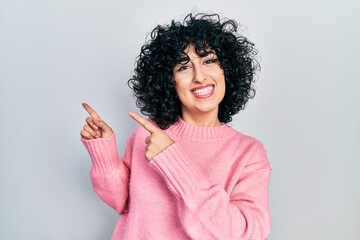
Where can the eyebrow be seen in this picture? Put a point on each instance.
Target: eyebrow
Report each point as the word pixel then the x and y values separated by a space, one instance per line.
pixel 204 53
pixel 183 59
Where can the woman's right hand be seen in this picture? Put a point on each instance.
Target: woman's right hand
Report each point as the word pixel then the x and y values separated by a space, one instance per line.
pixel 95 127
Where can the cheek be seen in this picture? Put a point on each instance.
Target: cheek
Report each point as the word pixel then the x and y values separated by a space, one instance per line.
pixel 181 86
pixel 221 81
pixel 180 92
pixel 222 87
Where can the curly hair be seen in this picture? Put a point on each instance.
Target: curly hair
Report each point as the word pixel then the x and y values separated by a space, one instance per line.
pixel 153 85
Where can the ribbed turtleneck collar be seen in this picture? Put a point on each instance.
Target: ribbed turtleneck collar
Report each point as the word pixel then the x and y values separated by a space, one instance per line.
pixel 185 130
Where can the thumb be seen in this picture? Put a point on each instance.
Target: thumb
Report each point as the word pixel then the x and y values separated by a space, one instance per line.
pixel 106 130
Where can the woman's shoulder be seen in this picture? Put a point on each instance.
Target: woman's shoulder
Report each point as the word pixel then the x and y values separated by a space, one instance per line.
pixel 245 139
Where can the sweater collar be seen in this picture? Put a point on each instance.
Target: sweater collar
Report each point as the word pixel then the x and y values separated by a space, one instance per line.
pixel 185 130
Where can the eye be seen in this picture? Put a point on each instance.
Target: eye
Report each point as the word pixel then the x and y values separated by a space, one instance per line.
pixel 182 68
pixel 211 60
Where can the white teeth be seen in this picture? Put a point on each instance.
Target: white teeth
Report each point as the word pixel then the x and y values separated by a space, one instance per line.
pixel 203 91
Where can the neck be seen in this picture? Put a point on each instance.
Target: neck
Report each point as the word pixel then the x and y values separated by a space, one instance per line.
pixel 185 130
pixel 204 120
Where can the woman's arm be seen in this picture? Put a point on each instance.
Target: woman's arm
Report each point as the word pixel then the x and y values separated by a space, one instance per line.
pixel 109 173
pixel 208 211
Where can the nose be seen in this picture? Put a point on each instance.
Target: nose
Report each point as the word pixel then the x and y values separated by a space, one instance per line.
pixel 199 74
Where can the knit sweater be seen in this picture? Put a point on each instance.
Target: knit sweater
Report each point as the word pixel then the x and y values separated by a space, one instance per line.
pixel 212 183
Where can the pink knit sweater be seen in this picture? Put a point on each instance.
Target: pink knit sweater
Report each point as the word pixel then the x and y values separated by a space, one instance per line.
pixel 212 183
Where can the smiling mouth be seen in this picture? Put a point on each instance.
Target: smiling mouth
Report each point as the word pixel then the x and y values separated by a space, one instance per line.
pixel 203 92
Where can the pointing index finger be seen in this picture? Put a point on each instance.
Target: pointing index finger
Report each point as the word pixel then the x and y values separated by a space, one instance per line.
pixel 91 111
pixel 143 122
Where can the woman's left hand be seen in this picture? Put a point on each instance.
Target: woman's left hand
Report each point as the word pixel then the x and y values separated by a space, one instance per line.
pixel 157 141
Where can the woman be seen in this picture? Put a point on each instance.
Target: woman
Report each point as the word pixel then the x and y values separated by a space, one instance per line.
pixel 185 173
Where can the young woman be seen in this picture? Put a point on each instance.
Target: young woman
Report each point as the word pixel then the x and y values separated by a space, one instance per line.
pixel 185 173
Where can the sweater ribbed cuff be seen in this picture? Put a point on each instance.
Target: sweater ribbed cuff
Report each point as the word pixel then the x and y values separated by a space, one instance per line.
pixel 175 167
pixel 103 153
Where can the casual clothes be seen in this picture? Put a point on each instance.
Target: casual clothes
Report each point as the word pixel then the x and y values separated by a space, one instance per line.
pixel 212 183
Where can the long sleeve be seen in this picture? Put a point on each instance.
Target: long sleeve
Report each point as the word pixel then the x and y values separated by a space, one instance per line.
pixel 208 211
pixel 109 173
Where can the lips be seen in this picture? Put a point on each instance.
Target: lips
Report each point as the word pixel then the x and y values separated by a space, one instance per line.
pixel 203 92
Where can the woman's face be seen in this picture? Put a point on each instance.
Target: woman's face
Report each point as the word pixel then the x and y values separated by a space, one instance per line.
pixel 199 84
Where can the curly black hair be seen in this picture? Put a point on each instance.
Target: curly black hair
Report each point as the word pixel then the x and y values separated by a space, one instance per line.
pixel 153 84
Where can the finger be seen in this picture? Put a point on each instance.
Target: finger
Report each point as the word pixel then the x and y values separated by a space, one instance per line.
pixel 103 126
pixel 91 111
pixel 91 131
pixel 86 135
pixel 147 139
pixel 90 122
pixel 149 156
pixel 98 122
pixel 145 123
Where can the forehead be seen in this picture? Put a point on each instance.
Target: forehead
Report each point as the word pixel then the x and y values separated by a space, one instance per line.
pixel 191 49
pixel 191 52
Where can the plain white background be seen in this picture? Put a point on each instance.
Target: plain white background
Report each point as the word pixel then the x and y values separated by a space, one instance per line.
pixel 54 55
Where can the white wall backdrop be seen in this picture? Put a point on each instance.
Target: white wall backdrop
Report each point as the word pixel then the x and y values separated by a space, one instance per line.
pixel 54 55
